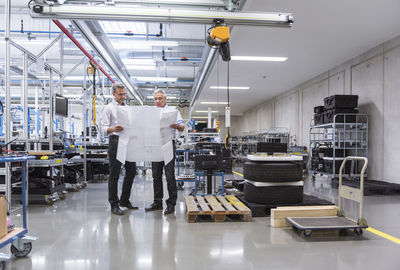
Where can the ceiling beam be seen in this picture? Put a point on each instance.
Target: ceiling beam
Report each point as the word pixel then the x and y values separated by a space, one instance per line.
pixel 107 12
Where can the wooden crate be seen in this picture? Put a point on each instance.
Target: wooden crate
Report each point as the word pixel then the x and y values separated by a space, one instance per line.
pixel 215 208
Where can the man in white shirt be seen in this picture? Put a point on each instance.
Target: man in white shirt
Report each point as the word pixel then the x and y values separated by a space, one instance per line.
pixel 111 128
pixel 160 100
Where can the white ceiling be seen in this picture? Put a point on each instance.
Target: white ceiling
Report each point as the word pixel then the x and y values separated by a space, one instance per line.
pixel 325 34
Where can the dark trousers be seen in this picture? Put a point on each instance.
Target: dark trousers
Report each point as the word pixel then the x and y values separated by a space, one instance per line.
pixel 157 170
pixel 115 168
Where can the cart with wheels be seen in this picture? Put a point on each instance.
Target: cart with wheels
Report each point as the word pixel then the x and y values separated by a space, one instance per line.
pixel 21 244
pixel 340 222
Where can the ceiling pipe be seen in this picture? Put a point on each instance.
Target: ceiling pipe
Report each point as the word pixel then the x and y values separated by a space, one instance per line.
pixel 210 56
pixel 76 42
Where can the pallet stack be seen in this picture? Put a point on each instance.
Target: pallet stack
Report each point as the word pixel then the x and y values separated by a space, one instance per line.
pixel 215 208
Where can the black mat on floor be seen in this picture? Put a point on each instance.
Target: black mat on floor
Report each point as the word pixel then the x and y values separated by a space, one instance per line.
pixel 262 210
pixel 371 187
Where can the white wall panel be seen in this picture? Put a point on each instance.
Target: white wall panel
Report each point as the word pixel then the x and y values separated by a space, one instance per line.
pixel 391 146
pixel 336 84
pixel 286 110
pixel 367 83
pixel 312 96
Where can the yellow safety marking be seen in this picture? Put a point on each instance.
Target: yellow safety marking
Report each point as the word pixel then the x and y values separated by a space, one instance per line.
pixel 58 160
pixel 384 235
pixel 238 173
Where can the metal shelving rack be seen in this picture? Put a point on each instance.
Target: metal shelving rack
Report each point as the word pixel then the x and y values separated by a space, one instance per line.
pixel 275 135
pixel 21 243
pixel 349 135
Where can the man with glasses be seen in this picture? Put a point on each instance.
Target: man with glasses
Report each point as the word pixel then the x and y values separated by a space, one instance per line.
pixel 160 100
pixel 111 128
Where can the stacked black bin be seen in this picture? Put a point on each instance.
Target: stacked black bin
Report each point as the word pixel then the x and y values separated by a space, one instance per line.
pixel 336 104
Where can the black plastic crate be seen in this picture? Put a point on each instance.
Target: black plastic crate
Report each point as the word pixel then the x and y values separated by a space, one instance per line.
pixel 271 147
pixel 318 118
pixel 319 109
pixel 327 152
pixel 341 101
pixel 211 130
pixel 329 116
pixel 328 165
pixel 317 164
pixel 207 162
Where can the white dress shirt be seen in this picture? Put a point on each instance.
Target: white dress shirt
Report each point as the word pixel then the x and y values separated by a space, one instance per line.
pixel 109 117
pixel 179 121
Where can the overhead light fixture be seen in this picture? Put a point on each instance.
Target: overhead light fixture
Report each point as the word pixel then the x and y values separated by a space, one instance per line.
pixel 206 111
pixel 138 61
pixel 133 46
pixel 138 44
pixel 200 117
pixel 214 102
pixel 123 27
pixel 259 58
pixel 139 67
pixel 230 87
pixel 157 79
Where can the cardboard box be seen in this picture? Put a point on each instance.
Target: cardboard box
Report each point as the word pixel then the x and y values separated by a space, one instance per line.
pixel 3 216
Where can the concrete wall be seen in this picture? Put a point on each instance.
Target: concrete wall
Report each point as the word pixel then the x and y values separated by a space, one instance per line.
pixel 374 76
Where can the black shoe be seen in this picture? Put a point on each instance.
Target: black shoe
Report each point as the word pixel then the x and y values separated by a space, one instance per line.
pixel 153 207
pixel 128 205
pixel 116 210
pixel 169 210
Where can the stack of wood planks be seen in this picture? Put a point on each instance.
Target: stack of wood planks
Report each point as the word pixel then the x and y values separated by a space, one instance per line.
pixel 279 214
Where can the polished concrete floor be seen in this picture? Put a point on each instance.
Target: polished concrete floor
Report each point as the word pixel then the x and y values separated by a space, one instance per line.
pixel 81 233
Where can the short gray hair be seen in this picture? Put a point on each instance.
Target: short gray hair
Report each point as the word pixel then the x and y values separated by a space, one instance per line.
pixel 117 85
pixel 160 91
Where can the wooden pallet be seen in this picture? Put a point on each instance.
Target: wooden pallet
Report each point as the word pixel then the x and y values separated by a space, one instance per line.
pixel 215 208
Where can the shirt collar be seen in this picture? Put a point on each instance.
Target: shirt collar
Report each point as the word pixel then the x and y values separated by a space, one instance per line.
pixel 116 103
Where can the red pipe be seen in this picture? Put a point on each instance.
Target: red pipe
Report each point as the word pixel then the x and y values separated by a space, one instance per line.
pixel 73 39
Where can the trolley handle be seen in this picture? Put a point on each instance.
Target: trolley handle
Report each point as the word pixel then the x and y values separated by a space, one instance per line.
pixel 362 170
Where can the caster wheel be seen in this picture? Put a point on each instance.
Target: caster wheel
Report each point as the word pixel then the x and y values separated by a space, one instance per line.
pixel 307 233
pixel 21 253
pixel 84 185
pixel 49 201
pixel 358 232
pixel 62 196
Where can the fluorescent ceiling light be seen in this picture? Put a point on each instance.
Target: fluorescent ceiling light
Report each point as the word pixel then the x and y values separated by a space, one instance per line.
pixel 139 67
pixel 157 79
pixel 206 111
pixel 168 97
pixel 200 117
pixel 133 46
pixel 201 122
pixel 214 102
pixel 139 61
pixel 231 87
pixel 137 44
pixel 123 27
pixel 259 58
